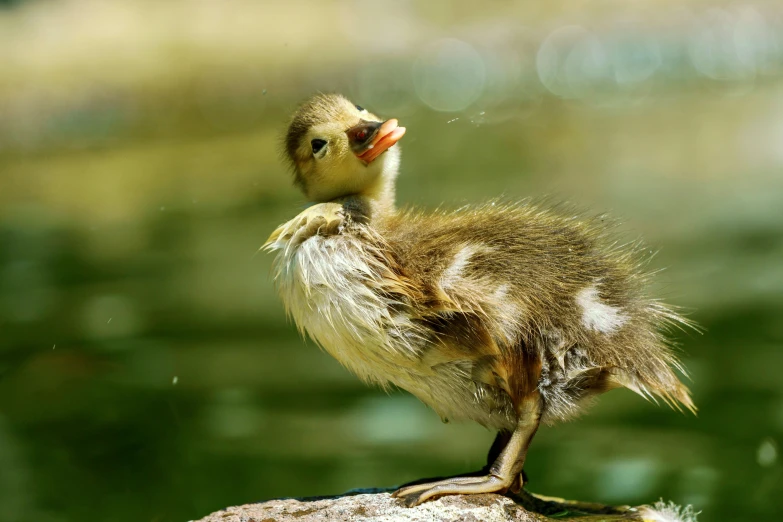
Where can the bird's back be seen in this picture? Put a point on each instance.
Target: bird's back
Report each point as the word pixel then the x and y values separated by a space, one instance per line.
pixel 564 308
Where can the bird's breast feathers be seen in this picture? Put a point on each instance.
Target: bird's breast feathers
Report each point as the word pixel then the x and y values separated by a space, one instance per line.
pixel 337 290
pixel 341 291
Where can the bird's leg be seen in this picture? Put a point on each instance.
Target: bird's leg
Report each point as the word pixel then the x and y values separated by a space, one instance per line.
pixel 498 444
pixel 502 475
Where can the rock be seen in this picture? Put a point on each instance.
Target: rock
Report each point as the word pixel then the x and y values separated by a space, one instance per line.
pixel 379 506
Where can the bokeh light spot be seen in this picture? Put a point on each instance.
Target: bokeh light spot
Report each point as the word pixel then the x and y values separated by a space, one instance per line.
pixel 449 75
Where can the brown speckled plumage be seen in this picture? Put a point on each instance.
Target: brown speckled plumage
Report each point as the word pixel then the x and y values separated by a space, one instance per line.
pixel 541 261
pixel 505 314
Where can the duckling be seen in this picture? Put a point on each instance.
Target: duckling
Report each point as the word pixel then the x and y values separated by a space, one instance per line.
pixel 510 315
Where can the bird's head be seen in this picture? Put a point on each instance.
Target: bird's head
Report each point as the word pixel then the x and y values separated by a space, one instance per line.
pixel 339 149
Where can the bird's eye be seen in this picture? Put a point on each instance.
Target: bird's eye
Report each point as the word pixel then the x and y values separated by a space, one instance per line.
pixel 360 108
pixel 361 135
pixel 317 145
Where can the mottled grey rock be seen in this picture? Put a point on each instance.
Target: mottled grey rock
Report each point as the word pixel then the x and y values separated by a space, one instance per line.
pixel 379 506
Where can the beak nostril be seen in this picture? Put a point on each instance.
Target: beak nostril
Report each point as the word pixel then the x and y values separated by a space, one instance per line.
pixel 360 134
pixel 369 139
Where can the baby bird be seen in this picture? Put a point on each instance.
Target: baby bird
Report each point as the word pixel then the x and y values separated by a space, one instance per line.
pixel 505 314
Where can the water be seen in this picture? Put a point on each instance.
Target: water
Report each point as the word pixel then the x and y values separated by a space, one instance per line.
pixel 147 371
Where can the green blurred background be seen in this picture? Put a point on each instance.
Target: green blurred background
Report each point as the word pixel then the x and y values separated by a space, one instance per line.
pixel 147 370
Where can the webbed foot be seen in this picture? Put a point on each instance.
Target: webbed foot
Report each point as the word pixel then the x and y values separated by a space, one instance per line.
pixel 415 495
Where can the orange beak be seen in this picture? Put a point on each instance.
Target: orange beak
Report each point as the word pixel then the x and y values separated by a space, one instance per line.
pixel 379 142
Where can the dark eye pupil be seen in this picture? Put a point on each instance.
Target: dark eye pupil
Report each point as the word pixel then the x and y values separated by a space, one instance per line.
pixel 317 145
pixel 361 135
pixel 359 108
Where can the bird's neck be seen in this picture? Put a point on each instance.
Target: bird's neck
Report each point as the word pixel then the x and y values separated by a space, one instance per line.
pixel 378 196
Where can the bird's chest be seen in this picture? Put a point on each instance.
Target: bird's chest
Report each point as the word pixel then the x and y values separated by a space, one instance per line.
pixel 330 287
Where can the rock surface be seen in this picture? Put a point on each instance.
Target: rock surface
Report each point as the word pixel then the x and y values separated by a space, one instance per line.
pixel 379 506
